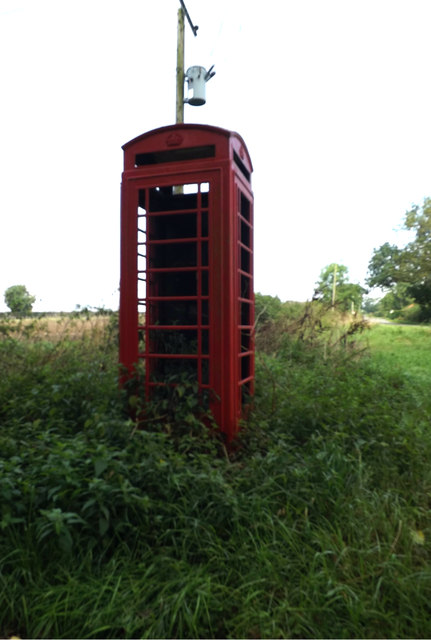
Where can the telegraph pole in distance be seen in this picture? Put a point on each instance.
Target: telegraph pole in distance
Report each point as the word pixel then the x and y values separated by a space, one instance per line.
pixel 182 11
pixel 334 285
pixel 180 67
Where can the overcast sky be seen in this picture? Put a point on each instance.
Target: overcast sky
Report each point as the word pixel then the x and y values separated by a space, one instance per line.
pixel 332 97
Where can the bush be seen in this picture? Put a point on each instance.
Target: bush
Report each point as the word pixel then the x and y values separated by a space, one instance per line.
pixel 311 327
pixel 18 299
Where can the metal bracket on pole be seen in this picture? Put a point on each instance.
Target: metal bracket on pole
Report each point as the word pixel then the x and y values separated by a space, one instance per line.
pixel 193 27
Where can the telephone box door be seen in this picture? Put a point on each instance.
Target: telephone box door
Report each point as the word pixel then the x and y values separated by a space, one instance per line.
pixel 171 310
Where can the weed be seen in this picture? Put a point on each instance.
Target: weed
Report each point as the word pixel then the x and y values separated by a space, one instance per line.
pixel 317 524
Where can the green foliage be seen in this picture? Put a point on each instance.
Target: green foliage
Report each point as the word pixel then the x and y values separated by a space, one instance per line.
pixel 407 271
pixel 395 301
pixel 396 305
pixel 315 524
pixel 384 266
pixel 270 309
pixel 273 319
pixel 346 293
pixel 267 308
pixel 18 299
pixel 370 305
pixel 313 328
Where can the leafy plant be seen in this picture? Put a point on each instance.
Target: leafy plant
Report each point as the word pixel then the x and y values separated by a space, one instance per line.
pixel 316 523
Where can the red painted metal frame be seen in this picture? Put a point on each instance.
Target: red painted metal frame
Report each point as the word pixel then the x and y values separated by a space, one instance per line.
pixel 183 237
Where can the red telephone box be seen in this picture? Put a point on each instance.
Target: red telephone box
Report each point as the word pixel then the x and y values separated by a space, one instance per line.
pixel 186 294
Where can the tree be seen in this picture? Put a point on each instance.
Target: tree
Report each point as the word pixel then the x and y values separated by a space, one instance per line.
pixel 333 287
pixel 384 266
pixel 406 272
pixel 267 308
pixel 19 300
pixel 370 305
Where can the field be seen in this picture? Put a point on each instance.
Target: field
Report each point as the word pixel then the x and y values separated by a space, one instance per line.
pixel 56 327
pixel 316 524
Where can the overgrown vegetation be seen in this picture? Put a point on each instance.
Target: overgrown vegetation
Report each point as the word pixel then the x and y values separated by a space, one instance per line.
pixel 316 524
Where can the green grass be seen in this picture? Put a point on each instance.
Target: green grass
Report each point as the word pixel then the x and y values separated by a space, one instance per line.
pixel 404 348
pixel 316 525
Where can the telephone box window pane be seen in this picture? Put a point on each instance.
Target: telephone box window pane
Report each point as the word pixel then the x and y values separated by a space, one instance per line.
pixel 181 254
pixel 174 341
pixel 245 367
pixel 205 371
pixel 205 342
pixel 142 212
pixel 241 166
pixel 141 235
pixel 141 288
pixel 245 261
pixel 189 188
pixel 142 310
pixel 142 201
pixel 179 225
pixel 177 283
pixel 205 312
pixel 141 341
pixel 175 312
pixel 204 260
pixel 245 207
pixel 141 260
pixel 245 233
pixel 204 286
pixel 204 224
pixel 245 313
pixel 172 369
pixel 171 199
pixel 204 189
pixel 245 287
pixel 245 340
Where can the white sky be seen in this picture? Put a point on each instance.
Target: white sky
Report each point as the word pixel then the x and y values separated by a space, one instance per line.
pixel 332 97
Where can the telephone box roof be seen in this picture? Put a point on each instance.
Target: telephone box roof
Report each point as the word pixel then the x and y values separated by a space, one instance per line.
pixel 180 136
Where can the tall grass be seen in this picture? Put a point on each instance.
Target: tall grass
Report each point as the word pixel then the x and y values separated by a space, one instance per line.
pixel 316 524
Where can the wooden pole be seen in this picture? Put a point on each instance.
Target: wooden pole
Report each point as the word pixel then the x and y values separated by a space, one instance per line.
pixel 334 285
pixel 180 68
